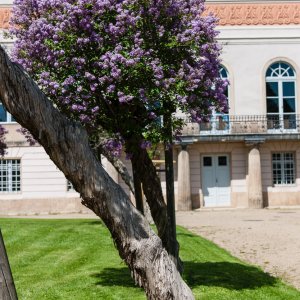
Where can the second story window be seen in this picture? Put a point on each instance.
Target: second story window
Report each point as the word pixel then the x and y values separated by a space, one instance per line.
pixel 219 122
pixel 281 97
pixel 224 75
pixel 5 117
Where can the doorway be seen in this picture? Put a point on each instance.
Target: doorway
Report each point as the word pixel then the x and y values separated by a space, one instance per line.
pixel 216 180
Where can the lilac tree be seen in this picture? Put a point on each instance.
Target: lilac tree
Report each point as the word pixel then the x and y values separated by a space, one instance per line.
pixel 119 66
pixel 138 245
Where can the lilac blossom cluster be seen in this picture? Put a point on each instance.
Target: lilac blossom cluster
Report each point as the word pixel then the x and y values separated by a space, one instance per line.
pixel 114 146
pixel 121 64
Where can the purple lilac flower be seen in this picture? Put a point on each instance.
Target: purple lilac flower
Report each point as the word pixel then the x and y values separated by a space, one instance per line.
pixel 91 65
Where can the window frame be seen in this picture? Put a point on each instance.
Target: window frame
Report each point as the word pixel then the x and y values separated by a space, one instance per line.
pixel 218 122
pixel 9 117
pixel 283 169
pixel 279 79
pixel 14 186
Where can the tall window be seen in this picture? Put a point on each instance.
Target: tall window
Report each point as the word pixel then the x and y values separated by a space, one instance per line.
pixel 224 75
pixel 10 175
pixel 283 168
pixel 281 96
pixel 218 121
pixel 5 117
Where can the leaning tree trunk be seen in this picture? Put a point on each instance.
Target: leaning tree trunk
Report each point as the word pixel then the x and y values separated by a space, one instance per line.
pixel 67 145
pixel 146 172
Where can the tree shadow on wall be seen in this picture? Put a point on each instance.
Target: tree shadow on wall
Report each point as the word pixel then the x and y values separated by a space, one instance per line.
pixel 233 276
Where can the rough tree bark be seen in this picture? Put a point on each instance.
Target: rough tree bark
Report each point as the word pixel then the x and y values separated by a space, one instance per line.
pixel 146 171
pixel 67 145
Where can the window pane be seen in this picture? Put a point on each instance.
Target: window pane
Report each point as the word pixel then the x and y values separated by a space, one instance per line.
pixel 288 156
pixel 10 179
pixel 273 121
pixel 291 72
pixel 222 161
pixel 289 105
pixel 3 117
pixel 290 121
pixel 285 68
pixel 272 89
pixel 207 161
pixel 288 89
pixel 283 168
pixel 223 73
pixel 272 105
pixel 270 71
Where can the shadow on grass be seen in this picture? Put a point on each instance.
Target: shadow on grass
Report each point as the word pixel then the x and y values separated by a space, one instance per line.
pixel 113 277
pixel 233 276
pixel 92 222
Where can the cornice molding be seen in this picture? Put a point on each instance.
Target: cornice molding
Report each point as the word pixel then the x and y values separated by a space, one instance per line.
pixel 231 14
pixel 255 14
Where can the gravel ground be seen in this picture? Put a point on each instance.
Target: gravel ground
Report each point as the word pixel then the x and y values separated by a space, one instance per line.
pixel 264 237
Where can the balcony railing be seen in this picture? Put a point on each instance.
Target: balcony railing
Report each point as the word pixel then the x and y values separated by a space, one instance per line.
pixel 245 124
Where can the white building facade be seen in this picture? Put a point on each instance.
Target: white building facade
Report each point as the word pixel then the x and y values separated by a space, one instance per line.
pixel 247 158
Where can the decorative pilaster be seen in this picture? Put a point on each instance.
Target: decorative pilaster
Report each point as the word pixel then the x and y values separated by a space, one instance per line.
pixel 255 195
pixel 184 201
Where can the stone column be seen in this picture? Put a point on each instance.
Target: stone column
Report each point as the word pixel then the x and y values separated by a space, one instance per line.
pixel 255 196
pixel 184 184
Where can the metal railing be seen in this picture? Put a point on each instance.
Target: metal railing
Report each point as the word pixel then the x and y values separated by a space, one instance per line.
pixel 244 124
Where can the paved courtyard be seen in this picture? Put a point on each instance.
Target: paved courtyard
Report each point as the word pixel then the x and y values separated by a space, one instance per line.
pixel 267 238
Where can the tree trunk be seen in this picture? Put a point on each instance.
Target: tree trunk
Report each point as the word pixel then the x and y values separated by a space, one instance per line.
pixel 138 194
pixel 67 145
pixel 146 171
pixel 7 286
pixel 173 245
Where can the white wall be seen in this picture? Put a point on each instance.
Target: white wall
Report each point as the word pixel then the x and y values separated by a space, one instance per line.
pixel 247 52
pixel 40 178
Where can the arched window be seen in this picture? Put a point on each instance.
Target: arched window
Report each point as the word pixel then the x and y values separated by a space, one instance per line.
pixel 281 96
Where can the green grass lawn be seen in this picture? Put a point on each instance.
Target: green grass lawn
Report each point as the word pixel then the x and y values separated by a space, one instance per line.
pixel 76 259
